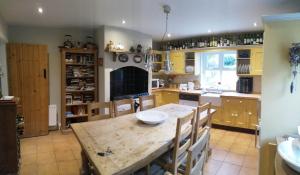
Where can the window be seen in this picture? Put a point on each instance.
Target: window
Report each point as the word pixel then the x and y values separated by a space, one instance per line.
pixel 218 68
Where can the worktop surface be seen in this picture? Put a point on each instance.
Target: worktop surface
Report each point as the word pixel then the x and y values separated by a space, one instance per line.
pixel 203 93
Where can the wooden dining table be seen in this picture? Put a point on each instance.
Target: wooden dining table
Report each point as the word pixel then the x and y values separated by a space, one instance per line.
pixel 123 145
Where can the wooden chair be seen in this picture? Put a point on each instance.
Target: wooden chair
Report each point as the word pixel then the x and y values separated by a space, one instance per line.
pixel 203 118
pixel 147 102
pixel 119 103
pixel 182 142
pixel 102 108
pixel 196 155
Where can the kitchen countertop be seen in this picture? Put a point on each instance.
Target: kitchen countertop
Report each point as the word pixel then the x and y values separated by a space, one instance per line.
pixel 201 92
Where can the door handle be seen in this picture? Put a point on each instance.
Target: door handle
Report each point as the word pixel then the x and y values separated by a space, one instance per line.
pixel 45 73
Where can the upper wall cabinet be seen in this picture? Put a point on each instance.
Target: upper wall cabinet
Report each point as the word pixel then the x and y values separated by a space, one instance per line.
pixel 178 61
pixel 256 61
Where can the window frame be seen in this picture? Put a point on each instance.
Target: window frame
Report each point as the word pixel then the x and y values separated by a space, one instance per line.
pixel 221 54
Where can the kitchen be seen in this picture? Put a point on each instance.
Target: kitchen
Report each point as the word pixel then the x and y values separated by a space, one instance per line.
pixel 136 87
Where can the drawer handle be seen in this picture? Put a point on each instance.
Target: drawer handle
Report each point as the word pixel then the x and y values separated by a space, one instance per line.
pixel 227 100
pixel 241 101
pixel 250 113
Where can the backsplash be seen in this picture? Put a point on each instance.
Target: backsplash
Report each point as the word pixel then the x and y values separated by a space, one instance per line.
pixel 177 79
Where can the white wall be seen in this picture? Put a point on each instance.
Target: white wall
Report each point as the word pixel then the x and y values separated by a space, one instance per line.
pixel 3 63
pixel 127 38
pixel 280 109
pixel 53 37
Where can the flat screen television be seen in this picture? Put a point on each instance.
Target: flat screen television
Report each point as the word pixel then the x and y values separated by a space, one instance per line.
pixel 128 82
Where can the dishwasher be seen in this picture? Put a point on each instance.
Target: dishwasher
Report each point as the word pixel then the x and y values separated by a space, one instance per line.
pixel 189 99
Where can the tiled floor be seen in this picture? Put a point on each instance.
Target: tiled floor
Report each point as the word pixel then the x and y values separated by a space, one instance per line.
pixel 57 154
pixel 232 154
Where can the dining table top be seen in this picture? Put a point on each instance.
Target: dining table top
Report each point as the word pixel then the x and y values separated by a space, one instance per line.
pixel 131 143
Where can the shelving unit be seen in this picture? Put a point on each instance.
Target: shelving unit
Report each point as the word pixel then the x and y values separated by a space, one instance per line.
pixel 79 84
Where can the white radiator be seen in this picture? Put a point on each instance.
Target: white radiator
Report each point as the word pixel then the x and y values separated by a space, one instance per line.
pixel 52 116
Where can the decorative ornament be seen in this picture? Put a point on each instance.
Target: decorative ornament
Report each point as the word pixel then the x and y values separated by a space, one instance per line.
pixel 123 57
pixel 294 60
pixel 137 58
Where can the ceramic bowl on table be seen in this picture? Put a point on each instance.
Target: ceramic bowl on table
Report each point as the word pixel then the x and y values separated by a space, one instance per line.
pixel 289 151
pixel 152 117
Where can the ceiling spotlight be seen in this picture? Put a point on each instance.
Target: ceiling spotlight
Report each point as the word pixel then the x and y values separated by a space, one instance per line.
pixel 209 31
pixel 254 24
pixel 169 35
pixel 40 10
pixel 123 21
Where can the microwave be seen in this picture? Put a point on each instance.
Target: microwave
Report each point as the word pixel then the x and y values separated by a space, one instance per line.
pixel 155 83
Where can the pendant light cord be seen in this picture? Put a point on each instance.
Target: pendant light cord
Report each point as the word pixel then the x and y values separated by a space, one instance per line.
pixel 167 18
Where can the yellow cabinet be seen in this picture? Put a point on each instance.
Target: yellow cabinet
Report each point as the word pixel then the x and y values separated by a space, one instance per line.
pixel 177 59
pixel 158 98
pixel 217 118
pixel 170 97
pixel 256 61
pixel 240 112
pixel 252 113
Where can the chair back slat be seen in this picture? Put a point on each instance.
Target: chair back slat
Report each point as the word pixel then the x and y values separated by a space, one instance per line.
pixel 129 103
pixel 102 107
pixel 183 140
pixel 197 154
pixel 203 119
pixel 147 102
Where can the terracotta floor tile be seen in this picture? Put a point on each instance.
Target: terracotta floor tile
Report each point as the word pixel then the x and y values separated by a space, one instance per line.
pixel 69 168
pixel 46 157
pixel 218 154
pixel 45 147
pixel 248 171
pixel 212 166
pixel 65 155
pixel 28 149
pixel 28 159
pixel 224 145
pixel 28 169
pixel 233 158
pixel 61 146
pixel 250 162
pixel 77 154
pixel 229 169
pixel 238 149
pixel 252 151
pixel 48 169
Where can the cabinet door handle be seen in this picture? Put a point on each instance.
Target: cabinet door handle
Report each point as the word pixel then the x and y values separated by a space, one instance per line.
pixel 249 113
pixel 241 101
pixel 227 100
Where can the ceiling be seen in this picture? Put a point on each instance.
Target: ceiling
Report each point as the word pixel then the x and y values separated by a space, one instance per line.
pixel 187 18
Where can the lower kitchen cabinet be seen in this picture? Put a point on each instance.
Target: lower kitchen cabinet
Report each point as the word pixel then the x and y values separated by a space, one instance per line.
pixel 239 112
pixel 158 96
pixel 170 97
pixel 165 97
pixel 217 117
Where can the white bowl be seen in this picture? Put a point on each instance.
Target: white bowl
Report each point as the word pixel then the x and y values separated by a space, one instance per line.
pixel 152 117
pixel 289 151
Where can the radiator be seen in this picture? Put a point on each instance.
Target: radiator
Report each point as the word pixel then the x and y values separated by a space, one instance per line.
pixel 52 116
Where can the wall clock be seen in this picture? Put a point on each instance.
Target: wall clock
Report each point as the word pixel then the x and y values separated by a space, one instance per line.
pixel 123 57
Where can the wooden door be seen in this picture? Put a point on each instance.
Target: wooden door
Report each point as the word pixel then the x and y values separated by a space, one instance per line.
pixel 217 118
pixel 256 61
pixel 241 119
pixel 252 113
pixel 178 62
pixel 228 116
pixel 28 79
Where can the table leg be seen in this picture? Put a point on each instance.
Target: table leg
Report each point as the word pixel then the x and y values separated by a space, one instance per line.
pixel 84 165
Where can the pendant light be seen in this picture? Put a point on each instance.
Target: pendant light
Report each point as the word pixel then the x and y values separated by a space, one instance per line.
pixel 167 68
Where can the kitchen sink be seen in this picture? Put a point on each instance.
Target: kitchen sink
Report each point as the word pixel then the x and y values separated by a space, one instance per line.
pixel 211 97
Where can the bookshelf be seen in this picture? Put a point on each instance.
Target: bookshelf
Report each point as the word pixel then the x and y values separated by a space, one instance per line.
pixel 79 84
